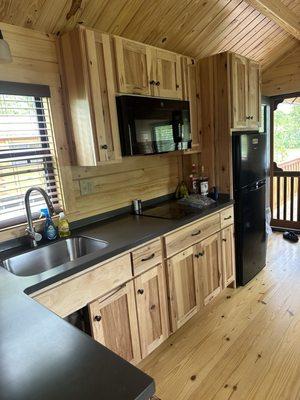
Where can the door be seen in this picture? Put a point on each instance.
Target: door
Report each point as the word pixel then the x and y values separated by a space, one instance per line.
pixel 209 261
pixel 151 301
pixel 228 255
pixel 250 231
pixel 167 74
pixel 239 81
pixel 254 95
pixel 114 323
pixel 133 62
pixel 183 287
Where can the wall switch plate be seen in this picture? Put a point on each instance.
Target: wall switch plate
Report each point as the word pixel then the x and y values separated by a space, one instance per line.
pixel 86 187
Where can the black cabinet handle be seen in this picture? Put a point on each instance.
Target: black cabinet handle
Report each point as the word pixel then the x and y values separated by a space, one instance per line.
pixel 200 254
pixel 227 218
pixel 140 291
pixel 148 258
pixel 97 318
pixel 177 86
pixel 157 83
pixel 104 147
pixel 152 82
pixel 224 240
pixel 196 233
pixel 248 117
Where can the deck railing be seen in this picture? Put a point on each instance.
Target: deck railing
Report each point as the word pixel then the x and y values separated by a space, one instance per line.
pixel 293 165
pixel 286 199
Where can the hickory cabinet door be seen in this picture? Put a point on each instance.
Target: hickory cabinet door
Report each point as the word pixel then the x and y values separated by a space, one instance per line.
pixel 183 287
pixel 228 255
pixel 151 301
pixel 133 62
pixel 114 323
pixel 254 91
pixel 209 264
pixel 168 79
pixel 239 91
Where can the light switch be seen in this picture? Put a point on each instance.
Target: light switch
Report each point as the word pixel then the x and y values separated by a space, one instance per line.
pixel 86 187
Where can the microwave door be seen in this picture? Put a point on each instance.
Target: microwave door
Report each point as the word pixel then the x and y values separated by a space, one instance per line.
pixel 162 134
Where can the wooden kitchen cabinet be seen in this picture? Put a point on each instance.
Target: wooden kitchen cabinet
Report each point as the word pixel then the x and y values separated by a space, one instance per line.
pixel 146 70
pixel 208 258
pixel 114 323
pixel 151 301
pixel 246 93
pixel 183 283
pixel 134 63
pixel 89 88
pixel 228 256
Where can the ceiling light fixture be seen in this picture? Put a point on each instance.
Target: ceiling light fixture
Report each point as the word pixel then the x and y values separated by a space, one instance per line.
pixel 5 54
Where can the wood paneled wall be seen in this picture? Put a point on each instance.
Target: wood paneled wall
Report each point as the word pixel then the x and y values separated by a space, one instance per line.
pixel 284 76
pixel 85 191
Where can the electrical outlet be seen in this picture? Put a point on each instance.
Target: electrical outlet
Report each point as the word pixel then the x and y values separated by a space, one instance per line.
pixel 86 187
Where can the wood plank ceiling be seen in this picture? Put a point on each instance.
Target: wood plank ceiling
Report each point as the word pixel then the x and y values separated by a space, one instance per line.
pixel 193 27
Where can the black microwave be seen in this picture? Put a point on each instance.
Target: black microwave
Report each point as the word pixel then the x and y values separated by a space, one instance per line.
pixel 149 126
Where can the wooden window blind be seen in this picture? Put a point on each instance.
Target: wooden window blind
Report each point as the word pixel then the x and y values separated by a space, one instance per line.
pixel 27 155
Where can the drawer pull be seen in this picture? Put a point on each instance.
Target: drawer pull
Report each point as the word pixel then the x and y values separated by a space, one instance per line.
pixel 97 318
pixel 140 291
pixel 224 240
pixel 229 217
pixel 200 254
pixel 196 233
pixel 148 258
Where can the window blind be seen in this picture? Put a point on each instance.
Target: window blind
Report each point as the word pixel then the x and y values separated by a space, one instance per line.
pixel 27 156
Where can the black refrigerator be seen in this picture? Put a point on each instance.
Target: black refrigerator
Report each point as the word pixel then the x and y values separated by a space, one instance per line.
pixel 249 183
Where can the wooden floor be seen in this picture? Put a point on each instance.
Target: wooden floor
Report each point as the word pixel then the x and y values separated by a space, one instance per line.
pixel 245 346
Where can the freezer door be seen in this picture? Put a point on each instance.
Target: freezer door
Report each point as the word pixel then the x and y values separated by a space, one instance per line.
pixel 250 228
pixel 249 158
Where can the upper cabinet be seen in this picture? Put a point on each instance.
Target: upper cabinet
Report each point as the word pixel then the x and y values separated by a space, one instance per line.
pixel 89 88
pixel 146 70
pixel 245 81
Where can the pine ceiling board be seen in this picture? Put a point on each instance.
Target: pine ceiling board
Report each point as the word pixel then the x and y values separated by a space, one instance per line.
pixel 220 41
pixel 265 47
pixel 91 11
pixel 22 13
pixel 279 52
pixel 191 22
pixel 203 34
pixel 49 19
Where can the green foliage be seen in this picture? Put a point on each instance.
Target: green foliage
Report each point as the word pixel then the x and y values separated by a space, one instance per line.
pixel 286 130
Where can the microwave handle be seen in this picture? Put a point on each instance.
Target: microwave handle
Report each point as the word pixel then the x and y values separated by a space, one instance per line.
pixel 130 139
pixel 177 132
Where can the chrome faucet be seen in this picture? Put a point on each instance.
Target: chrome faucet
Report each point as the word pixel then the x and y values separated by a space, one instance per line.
pixel 30 230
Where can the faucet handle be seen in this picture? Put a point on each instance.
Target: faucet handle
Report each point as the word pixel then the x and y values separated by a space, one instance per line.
pixel 33 234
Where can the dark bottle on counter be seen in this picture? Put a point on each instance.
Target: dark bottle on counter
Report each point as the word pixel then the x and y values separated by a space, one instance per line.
pixel 194 180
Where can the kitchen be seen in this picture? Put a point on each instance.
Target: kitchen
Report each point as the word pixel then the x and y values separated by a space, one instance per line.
pixel 136 279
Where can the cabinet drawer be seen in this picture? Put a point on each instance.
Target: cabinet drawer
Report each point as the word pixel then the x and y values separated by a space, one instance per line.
pixel 146 257
pixel 185 237
pixel 227 217
pixel 77 292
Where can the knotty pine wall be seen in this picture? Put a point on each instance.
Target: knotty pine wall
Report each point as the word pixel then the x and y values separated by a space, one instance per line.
pixel 85 191
pixel 284 76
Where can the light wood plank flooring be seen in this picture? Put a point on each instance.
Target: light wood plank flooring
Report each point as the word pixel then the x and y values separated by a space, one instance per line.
pixel 245 346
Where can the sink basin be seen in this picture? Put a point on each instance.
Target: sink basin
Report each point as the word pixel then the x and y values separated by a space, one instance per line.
pixel 45 258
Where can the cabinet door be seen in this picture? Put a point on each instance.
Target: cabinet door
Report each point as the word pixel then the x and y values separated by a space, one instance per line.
pixel 114 323
pixel 89 89
pixel 167 74
pixel 208 256
pixel 151 301
pixel 134 62
pixel 189 89
pixel 228 255
pixel 254 91
pixel 239 80
pixel 183 287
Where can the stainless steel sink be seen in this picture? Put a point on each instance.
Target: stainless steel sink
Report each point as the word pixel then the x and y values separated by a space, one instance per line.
pixel 45 258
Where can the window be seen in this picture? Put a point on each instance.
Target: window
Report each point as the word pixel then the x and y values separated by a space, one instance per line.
pixel 27 156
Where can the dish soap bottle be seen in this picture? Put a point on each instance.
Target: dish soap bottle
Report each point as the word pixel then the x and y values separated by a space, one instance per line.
pixel 50 231
pixel 63 226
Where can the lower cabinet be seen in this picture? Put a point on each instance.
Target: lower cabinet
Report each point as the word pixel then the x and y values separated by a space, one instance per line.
pixel 228 255
pixel 114 323
pixel 151 301
pixel 183 279
pixel 209 264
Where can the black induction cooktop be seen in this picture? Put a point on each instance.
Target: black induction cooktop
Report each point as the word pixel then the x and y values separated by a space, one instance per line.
pixel 170 210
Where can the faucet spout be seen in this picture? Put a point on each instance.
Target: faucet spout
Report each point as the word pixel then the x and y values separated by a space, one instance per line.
pixel 33 235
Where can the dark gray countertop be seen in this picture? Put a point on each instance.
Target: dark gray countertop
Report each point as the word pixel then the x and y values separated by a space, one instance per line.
pixel 44 357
